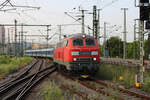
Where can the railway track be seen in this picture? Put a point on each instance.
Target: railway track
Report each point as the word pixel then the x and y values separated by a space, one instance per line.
pixel 18 88
pixel 78 93
pixel 105 89
pixel 19 76
pixel 122 90
pixel 125 62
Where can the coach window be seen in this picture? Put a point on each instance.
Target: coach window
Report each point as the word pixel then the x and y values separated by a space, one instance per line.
pixel 77 42
pixel 90 42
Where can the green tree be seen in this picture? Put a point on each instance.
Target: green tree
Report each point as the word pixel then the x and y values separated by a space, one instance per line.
pixel 115 47
pixel 101 50
pixel 130 50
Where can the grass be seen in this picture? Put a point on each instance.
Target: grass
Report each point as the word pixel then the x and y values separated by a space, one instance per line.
pixel 146 86
pixel 52 92
pixel 113 73
pixel 9 65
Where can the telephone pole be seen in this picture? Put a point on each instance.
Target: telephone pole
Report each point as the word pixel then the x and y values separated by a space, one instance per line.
pixel 136 38
pixel 8 42
pixel 134 51
pixel 82 21
pixel 59 32
pixel 98 31
pixel 104 39
pixel 125 32
pixel 22 40
pixel 47 38
pixel 95 21
pixel 82 17
pixel 15 38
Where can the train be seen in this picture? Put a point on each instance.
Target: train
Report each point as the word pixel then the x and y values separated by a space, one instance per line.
pixel 77 53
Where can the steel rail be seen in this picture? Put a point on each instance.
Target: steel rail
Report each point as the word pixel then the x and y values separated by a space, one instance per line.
pixel 93 88
pixel 9 85
pixel 75 92
pixel 16 92
pixel 33 84
pixel 25 79
pixel 20 76
pixel 32 79
pixel 131 93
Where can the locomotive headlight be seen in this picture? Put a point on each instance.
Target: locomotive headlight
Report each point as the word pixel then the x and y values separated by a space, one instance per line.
pixel 94 53
pixel 75 53
pixel 94 59
pixel 83 36
pixel 74 59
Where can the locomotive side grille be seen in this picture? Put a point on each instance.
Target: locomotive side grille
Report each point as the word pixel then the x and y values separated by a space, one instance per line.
pixel 84 53
pixel 84 59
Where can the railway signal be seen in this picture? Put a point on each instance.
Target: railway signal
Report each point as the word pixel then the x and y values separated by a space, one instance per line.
pixel 144 16
pixel 144 1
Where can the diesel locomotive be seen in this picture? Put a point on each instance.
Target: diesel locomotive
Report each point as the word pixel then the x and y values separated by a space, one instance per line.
pixel 77 53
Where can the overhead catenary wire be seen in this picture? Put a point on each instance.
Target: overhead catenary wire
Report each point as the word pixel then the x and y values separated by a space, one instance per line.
pixel 109 4
pixel 4 4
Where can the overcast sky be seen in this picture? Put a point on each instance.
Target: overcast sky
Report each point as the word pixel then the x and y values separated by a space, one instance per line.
pixel 52 12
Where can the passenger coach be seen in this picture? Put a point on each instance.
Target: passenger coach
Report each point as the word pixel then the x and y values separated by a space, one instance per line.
pixel 40 53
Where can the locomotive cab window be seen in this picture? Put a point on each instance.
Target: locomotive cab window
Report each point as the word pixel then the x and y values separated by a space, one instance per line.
pixel 78 42
pixel 65 44
pixel 90 42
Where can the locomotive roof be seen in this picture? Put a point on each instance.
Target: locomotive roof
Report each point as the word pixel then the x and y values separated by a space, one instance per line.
pixel 79 35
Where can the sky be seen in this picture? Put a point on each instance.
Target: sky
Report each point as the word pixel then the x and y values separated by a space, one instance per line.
pixel 52 12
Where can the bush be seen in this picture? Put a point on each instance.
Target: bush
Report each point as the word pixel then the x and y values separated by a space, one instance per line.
pixel 4 59
pixel 146 85
pixel 52 92
pixel 9 65
pixel 113 72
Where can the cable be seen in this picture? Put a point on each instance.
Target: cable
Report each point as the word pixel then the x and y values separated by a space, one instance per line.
pixel 4 4
pixel 109 4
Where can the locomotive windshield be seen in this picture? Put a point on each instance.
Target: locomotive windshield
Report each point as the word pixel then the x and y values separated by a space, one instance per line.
pixel 90 42
pixel 78 42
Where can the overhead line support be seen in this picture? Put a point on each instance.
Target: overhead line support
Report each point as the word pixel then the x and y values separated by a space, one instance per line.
pixel 125 33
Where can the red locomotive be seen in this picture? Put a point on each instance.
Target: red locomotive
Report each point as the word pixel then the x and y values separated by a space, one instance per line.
pixel 79 53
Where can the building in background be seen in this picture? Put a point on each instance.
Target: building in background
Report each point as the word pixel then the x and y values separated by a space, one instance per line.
pixel 2 35
pixel 2 40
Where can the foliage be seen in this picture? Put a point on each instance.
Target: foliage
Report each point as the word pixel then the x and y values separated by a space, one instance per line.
pixel 115 47
pixel 9 65
pixel 101 50
pixel 4 59
pixel 52 92
pixel 113 72
pixel 146 86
